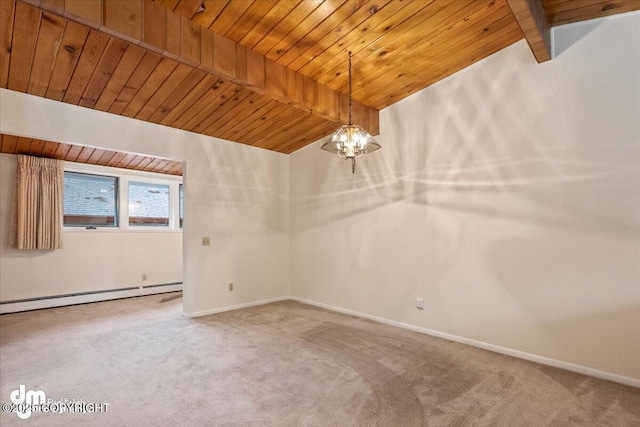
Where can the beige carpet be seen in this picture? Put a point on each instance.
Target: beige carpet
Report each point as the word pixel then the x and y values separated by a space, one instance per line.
pixel 283 364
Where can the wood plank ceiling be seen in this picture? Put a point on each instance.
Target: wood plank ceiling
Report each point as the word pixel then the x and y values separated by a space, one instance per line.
pixel 566 11
pixel 120 56
pixel 10 144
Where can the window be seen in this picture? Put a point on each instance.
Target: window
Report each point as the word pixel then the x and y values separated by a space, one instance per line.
pixel 90 200
pixel 181 203
pixel 120 200
pixel 149 204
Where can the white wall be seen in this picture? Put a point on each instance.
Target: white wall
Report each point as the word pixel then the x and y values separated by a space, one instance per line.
pixel 507 195
pixel 93 260
pixel 235 194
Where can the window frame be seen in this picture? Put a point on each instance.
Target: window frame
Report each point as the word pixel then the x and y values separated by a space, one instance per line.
pixel 116 217
pixel 147 183
pixel 180 214
pixel 124 176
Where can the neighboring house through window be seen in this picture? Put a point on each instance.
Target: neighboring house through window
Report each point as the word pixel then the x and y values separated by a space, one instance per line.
pixel 149 204
pixel 101 197
pixel 90 200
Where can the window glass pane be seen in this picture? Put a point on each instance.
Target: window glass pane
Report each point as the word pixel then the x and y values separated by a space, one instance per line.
pixel 181 204
pixel 90 200
pixel 148 204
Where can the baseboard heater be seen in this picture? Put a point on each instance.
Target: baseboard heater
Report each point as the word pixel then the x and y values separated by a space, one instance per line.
pixel 85 297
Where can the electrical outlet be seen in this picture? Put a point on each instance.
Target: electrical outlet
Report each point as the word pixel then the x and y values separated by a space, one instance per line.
pixel 230 287
pixel 420 303
pixel 140 290
pixel 144 277
pixel 206 241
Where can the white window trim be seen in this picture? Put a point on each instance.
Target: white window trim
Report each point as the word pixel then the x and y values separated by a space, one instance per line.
pixel 124 177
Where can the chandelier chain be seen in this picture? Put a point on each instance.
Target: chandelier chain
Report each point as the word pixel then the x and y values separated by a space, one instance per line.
pixel 350 102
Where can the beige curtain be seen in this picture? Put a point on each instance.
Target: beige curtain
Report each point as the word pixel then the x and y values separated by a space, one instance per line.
pixel 38 203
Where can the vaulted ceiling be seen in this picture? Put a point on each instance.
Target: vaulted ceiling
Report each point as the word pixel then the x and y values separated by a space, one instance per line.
pixel 268 73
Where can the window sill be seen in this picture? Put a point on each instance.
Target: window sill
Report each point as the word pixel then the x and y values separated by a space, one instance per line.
pixel 120 230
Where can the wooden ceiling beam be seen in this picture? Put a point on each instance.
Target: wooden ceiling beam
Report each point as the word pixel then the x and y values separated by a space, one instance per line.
pixel 532 19
pixel 159 29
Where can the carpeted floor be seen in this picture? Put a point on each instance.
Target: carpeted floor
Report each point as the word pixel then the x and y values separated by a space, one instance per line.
pixel 282 364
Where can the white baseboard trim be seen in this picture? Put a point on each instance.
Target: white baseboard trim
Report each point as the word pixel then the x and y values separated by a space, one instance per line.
pixel 105 296
pixel 234 307
pixel 486 346
pixel 36 304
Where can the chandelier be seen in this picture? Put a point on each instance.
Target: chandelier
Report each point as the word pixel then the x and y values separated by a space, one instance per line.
pixel 350 142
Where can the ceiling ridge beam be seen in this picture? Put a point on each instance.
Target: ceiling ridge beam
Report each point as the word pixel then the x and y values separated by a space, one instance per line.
pixel 532 19
pixel 161 30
